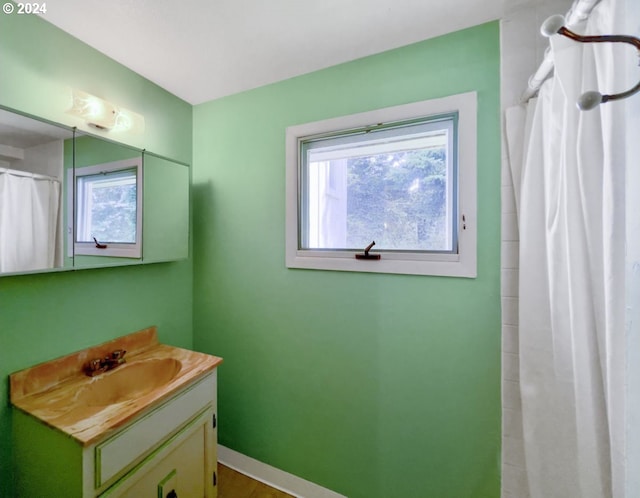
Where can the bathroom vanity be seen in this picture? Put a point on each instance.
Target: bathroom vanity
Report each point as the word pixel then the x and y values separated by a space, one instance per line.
pixel 142 427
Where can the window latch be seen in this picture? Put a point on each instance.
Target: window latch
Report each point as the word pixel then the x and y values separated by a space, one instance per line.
pixel 99 245
pixel 366 254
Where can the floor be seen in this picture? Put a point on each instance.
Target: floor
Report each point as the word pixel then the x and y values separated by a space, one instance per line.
pixel 232 484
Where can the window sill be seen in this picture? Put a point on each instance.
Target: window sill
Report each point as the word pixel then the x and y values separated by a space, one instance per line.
pixel 405 264
pixel 113 250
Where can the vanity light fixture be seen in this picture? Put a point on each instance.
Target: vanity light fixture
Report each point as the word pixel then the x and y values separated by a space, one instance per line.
pixel 104 115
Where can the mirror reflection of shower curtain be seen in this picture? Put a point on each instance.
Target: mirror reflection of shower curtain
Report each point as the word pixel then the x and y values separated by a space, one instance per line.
pixel 29 211
pixel 572 195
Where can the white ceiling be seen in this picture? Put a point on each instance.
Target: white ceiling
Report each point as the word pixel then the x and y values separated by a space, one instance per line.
pixel 23 132
pixel 204 49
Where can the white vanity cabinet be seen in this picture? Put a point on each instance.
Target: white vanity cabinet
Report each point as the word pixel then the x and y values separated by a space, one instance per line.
pixel 167 451
pixel 175 473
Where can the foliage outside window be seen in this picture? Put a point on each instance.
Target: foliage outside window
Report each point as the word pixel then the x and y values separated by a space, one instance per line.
pixel 403 177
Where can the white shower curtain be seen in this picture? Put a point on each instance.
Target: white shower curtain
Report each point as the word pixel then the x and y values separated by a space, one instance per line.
pixel 568 169
pixel 29 210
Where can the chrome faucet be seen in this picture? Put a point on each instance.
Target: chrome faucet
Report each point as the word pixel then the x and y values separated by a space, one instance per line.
pixel 98 365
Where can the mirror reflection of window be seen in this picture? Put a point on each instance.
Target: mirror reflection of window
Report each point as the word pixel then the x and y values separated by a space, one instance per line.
pixel 108 209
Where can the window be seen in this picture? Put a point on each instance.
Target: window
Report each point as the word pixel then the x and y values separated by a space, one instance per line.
pixel 108 209
pixel 404 177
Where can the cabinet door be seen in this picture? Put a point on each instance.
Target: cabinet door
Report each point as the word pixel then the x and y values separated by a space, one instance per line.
pixel 166 210
pixel 179 472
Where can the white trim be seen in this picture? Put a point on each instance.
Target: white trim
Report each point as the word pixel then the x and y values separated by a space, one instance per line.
pixel 271 476
pixel 465 262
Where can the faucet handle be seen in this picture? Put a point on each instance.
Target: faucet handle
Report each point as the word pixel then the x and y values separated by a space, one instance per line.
pixel 118 354
pixel 94 367
pixel 95 364
pixel 116 357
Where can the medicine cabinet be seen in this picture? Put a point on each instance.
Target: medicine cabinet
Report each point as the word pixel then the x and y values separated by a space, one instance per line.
pixel 70 200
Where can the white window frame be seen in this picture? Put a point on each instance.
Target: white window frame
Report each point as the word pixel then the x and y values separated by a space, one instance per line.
pixel 129 250
pixel 461 264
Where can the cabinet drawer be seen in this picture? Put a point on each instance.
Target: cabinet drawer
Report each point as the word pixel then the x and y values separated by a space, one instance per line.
pixel 118 453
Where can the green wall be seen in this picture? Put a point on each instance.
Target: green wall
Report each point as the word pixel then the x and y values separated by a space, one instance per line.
pixel 371 385
pixel 49 315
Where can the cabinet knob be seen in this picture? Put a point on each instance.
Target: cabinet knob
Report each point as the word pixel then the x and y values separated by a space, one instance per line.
pixel 172 494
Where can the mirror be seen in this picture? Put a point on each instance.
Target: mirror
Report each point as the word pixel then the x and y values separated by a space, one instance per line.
pixel 99 203
pixel 166 210
pixel 32 194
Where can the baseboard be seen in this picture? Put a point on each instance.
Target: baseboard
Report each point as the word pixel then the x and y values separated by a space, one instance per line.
pixel 273 477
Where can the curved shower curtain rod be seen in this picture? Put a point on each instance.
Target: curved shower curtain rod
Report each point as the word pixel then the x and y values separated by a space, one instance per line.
pixel 580 11
pixel 592 99
pixel 27 174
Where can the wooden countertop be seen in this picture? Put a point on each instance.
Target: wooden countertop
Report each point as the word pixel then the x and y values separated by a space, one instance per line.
pixel 49 391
